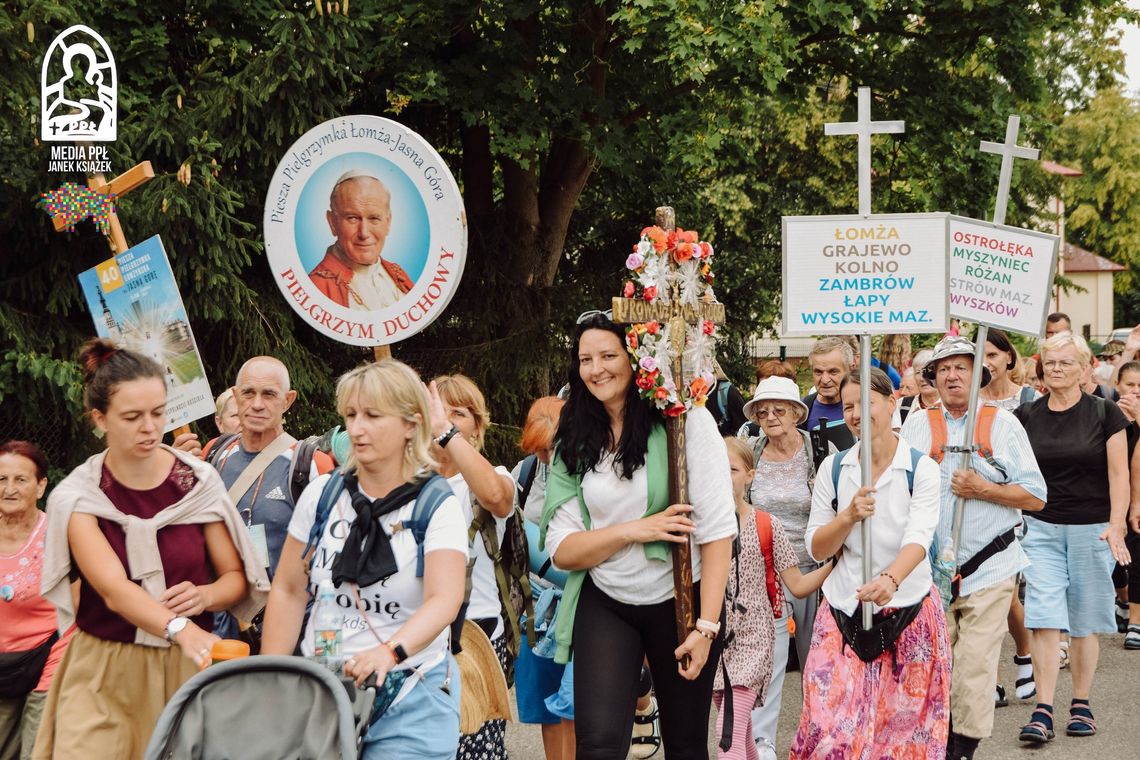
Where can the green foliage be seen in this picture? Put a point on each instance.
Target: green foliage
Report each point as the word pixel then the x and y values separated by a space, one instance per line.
pixel 1103 204
pixel 566 122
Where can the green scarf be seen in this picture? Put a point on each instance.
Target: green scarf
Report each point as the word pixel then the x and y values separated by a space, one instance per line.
pixel 561 486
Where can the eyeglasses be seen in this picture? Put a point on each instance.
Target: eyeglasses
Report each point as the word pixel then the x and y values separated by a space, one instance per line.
pixel 778 411
pixel 587 315
pixel 1063 364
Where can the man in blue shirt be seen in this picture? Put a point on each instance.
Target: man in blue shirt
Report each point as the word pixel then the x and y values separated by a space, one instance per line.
pixel 990 557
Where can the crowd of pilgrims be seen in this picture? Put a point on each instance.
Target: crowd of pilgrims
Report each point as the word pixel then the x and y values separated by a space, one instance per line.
pixel 557 575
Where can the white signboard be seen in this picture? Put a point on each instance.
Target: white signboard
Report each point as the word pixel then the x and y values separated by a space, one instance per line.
pixel 1001 276
pixel 854 275
pixel 365 230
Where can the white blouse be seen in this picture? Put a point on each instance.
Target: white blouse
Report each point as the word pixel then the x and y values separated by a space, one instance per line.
pixel 899 519
pixel 628 576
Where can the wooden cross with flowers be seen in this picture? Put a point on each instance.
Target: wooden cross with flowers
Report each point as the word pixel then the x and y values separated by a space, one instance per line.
pixel 672 314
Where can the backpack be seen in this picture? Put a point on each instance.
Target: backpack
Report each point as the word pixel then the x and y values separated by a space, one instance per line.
pixel 983 430
pixel 511 559
pixel 305 453
pixel 764 536
pixel 915 455
pixel 527 473
pixel 761 442
pixel 429 499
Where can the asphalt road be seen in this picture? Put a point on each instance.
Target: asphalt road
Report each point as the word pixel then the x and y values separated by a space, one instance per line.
pixel 1115 702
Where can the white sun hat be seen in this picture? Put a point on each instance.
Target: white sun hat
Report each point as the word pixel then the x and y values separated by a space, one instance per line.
pixel 777 389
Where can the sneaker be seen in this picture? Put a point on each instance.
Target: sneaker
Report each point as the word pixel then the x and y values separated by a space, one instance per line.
pixel 1000 700
pixel 646 732
pixel 765 750
pixel 1132 638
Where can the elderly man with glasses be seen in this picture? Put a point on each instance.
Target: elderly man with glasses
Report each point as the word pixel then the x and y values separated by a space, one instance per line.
pixel 997 486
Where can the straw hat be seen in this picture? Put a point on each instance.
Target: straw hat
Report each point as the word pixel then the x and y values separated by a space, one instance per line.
pixel 777 389
pixel 483 695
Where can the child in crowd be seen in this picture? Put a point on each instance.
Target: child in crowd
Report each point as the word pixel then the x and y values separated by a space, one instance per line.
pixel 754 599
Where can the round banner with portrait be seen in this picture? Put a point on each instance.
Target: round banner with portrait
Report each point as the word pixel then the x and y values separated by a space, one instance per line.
pixel 365 230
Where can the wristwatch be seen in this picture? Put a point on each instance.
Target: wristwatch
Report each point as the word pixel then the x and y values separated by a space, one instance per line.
pixel 175 626
pixel 446 437
pixel 399 654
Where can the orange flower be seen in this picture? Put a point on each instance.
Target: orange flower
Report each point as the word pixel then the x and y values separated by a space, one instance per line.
pixel 661 393
pixel 657 236
pixel 652 327
pixel 683 252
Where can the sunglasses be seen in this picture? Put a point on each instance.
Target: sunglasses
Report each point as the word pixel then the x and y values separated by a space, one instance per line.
pixel 587 315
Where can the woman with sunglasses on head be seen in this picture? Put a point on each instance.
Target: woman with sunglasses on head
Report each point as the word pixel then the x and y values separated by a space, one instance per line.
pixel 1081 447
pixel 607 520
pixel 157 546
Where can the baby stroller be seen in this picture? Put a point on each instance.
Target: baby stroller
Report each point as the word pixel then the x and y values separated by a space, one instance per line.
pixel 263 708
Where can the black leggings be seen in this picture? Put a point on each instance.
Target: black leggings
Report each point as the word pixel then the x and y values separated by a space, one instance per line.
pixel 610 640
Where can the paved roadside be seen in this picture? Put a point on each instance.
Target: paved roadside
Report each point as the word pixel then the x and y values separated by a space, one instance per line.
pixel 1115 701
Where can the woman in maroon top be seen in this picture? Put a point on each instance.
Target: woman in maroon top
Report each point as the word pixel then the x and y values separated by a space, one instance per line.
pixel 119 672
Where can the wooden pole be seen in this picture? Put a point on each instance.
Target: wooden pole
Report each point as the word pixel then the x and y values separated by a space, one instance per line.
pixel 678 462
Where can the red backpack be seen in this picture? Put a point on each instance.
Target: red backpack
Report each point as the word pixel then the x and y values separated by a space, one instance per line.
pixel 764 535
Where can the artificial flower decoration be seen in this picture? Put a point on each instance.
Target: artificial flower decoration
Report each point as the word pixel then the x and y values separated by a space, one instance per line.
pixel 659 261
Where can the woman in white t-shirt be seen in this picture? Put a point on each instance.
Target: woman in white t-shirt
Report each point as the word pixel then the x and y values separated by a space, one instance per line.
pixel 607 520
pixel 395 624
pixel 459 421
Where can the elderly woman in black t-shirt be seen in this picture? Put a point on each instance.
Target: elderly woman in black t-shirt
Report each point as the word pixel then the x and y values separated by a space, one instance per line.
pixel 1079 442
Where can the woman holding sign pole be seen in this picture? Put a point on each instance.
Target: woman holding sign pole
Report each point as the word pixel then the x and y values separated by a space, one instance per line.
pixel 607 520
pixel 883 692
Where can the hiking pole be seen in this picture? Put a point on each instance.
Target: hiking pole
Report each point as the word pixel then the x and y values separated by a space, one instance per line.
pixel 967 447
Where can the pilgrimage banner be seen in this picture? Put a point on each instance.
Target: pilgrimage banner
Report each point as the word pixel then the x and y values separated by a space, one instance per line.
pixel 365 230
pixel 1001 276
pixel 855 275
pixel 135 302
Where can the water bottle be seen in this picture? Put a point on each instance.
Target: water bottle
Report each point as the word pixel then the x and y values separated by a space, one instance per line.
pixel 327 627
pixel 942 569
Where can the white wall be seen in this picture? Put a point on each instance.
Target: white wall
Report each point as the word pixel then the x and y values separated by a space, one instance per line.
pixel 1093 307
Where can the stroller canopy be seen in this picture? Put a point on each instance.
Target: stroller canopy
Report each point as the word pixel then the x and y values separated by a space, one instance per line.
pixel 271 708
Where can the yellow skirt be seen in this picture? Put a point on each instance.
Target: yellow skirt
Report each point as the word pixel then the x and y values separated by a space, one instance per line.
pixel 106 697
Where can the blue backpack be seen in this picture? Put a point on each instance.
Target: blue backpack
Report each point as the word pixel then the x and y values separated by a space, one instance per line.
pixel 433 494
pixel 915 455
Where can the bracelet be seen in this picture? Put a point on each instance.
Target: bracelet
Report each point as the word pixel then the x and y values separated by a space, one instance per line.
pixel 446 437
pixel 891 578
pixel 708 627
pixel 706 634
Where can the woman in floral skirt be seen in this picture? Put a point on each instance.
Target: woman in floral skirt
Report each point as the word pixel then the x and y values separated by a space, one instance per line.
pixel 884 692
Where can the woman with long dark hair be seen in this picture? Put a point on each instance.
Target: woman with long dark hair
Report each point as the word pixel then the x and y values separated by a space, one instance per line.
pixel 608 521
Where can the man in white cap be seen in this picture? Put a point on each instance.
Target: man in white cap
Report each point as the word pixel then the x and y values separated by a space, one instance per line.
pixel 1002 480
pixel 352 273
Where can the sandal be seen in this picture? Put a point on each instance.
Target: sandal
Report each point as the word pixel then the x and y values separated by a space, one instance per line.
pixel 646 741
pixel 1037 731
pixel 1000 699
pixel 1081 721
